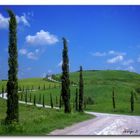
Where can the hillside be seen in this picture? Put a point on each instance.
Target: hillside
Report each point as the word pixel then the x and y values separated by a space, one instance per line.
pixel 98 87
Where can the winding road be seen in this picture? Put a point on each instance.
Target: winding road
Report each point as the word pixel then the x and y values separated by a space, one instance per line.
pixel 104 124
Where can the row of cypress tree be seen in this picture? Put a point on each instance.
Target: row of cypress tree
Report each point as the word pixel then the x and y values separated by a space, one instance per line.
pixel 131 101
pixel 65 91
pixel 12 84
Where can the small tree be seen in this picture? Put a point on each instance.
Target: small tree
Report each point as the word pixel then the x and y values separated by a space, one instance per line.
pixel 26 97
pixel 113 99
pixel 34 100
pixel 21 96
pixel 51 100
pixel 81 91
pixel 76 100
pixel 39 99
pixel 23 89
pixel 56 101
pixel 32 87
pixel 30 97
pixel 43 103
pixel 39 87
pixel 2 91
pixel 132 101
pixel 85 103
pixel 60 101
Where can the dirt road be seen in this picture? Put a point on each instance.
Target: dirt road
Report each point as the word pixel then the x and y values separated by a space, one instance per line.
pixel 104 124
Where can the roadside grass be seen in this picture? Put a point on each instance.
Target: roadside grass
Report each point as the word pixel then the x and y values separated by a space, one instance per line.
pixel 38 121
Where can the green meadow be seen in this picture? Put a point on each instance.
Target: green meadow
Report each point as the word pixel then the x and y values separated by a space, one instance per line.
pixel 98 86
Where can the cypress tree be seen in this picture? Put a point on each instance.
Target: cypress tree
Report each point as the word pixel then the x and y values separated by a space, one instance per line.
pixel 65 90
pixel 39 99
pixel 21 96
pixel 43 103
pixel 56 101
pixel 60 101
pixel 81 91
pixel 51 100
pixel 23 89
pixel 132 101
pixel 2 91
pixel 113 99
pixel 26 97
pixel 12 84
pixel 30 97
pixel 76 100
pixel 34 100
pixel 85 103
pixel 39 87
pixel 32 87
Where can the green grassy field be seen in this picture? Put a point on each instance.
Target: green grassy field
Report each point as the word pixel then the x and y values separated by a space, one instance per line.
pixel 98 86
pixel 38 121
pixel 32 83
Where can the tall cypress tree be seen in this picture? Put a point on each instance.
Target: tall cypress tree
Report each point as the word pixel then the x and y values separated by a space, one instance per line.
pixel 2 91
pixel 34 100
pixel 60 101
pixel 65 79
pixel 43 103
pixel 30 97
pixel 113 99
pixel 81 91
pixel 26 97
pixel 76 100
pixel 132 101
pixel 12 84
pixel 51 100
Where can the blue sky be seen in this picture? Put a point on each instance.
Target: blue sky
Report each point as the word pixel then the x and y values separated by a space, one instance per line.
pixel 99 37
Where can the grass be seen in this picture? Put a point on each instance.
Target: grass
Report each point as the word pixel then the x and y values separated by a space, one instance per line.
pixel 30 83
pixel 98 85
pixel 38 121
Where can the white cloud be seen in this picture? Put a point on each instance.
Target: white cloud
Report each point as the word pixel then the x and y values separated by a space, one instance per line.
pixel 98 54
pixel 22 19
pixel 128 62
pixel 43 75
pixel 32 55
pixel 130 68
pixel 4 21
pixel 60 63
pixel 116 59
pixel 42 38
pixel 23 51
pixel 112 52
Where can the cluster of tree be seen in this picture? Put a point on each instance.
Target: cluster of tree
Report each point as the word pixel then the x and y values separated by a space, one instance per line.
pixel 131 100
pixel 65 91
pixel 12 83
